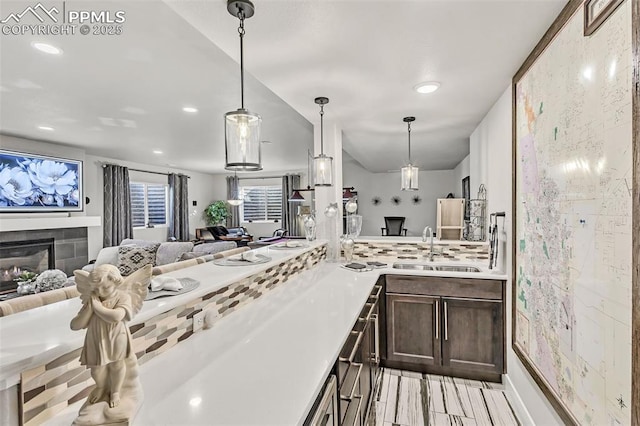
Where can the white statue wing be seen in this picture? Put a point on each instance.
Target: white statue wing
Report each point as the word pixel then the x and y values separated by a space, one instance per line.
pixel 137 286
pixel 83 285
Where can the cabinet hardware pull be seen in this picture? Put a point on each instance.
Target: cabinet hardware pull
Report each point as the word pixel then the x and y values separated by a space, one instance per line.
pixel 446 323
pixel 437 319
pixel 355 384
pixel 356 346
pixel 376 339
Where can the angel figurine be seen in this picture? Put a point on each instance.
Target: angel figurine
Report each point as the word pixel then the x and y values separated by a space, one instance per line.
pixel 108 302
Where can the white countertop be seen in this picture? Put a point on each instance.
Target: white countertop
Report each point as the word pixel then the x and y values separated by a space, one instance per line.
pixel 37 336
pixel 264 364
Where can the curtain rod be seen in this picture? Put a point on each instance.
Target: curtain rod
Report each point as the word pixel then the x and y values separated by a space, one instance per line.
pixel 260 177
pixel 145 171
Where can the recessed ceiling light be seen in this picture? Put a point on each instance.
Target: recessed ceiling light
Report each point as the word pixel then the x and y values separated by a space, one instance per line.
pixel 46 128
pixel 427 87
pixel 46 48
pixel 190 109
pixel 157 151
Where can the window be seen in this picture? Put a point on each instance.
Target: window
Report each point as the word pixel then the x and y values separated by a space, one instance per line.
pixel 148 204
pixel 261 203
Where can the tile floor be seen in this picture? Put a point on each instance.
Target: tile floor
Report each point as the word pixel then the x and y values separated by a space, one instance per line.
pixel 407 398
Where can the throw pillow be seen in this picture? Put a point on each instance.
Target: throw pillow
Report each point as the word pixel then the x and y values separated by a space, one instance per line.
pixel 187 256
pixel 130 259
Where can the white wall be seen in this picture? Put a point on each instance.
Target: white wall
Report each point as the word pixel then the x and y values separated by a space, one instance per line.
pixel 491 164
pixel 461 171
pixel 203 188
pixel 433 185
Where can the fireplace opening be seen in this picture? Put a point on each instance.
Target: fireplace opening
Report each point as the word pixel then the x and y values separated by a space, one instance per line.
pixel 17 257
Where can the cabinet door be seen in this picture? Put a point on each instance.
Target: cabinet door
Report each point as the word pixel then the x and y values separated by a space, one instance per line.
pixel 413 333
pixel 473 335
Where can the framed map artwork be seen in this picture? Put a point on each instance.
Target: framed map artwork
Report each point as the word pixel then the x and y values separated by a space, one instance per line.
pixel 572 203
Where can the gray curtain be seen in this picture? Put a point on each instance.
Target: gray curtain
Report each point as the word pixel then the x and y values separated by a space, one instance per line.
pixel 233 191
pixel 179 207
pixel 289 210
pixel 118 223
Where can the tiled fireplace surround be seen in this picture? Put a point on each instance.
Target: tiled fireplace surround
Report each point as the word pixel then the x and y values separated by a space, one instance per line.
pixel 70 245
pixel 47 389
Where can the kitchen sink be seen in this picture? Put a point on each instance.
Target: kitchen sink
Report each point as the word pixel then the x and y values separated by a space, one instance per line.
pixel 445 268
pixel 419 266
pixel 457 268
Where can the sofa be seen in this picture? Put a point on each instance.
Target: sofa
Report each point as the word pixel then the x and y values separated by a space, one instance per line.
pixel 166 253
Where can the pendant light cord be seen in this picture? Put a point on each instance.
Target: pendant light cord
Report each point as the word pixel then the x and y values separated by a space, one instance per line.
pixel 321 129
pixel 409 133
pixel 241 32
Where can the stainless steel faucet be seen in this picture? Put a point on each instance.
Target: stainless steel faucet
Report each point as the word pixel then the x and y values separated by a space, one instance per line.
pixel 424 240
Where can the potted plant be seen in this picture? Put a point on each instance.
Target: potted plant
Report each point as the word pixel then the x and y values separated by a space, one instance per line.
pixel 216 213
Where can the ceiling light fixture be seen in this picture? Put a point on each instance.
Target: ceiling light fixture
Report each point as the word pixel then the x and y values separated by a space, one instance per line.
pixel 347 194
pixel 190 109
pixel 46 48
pixel 322 164
pixel 296 196
pixel 46 128
pixel 242 127
pixel 235 199
pixel 409 173
pixel 157 151
pixel 427 87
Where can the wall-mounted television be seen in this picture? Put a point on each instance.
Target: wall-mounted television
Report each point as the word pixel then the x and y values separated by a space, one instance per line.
pixel 36 183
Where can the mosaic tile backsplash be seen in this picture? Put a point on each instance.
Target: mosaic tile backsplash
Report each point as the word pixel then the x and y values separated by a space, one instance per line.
pixel 419 251
pixel 48 389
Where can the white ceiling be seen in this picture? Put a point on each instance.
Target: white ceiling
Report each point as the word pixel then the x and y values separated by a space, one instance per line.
pixel 121 96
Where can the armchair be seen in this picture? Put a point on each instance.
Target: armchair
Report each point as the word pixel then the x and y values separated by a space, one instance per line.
pixel 394 226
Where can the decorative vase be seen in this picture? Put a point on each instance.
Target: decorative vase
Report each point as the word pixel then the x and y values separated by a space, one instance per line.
pixel 310 227
pixel 26 287
pixel 347 244
pixel 354 225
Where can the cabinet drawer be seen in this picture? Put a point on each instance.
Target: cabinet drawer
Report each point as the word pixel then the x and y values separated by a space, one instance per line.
pixel 353 414
pixel 445 286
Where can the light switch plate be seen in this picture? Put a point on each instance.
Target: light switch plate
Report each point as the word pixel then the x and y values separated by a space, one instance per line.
pixel 198 321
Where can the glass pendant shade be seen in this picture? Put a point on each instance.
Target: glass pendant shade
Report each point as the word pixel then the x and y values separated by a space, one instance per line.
pixel 234 202
pixel 322 170
pixel 242 140
pixel 296 196
pixel 409 178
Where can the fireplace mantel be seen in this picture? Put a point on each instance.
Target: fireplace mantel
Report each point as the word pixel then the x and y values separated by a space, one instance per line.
pixel 34 223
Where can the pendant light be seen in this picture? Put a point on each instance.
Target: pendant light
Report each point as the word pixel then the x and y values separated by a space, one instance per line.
pixel 409 173
pixel 322 164
pixel 296 196
pixel 242 127
pixel 235 199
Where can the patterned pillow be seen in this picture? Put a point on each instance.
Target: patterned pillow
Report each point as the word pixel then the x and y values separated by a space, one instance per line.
pixel 130 259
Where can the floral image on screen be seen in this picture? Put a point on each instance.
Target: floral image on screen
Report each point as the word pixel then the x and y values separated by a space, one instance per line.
pixel 31 183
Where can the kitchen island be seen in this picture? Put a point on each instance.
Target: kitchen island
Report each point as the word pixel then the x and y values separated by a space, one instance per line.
pixel 267 362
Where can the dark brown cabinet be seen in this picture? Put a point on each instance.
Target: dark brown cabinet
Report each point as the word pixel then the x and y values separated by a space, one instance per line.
pixel 357 368
pixel 412 329
pixel 448 326
pixel 472 334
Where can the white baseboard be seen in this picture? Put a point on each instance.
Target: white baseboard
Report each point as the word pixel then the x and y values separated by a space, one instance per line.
pixel 516 402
